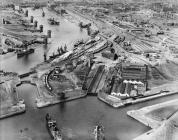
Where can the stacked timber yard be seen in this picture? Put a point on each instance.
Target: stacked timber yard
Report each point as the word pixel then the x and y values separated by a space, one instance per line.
pixel 130 56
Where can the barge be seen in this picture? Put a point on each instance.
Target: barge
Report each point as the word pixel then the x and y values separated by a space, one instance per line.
pixel 99 132
pixel 52 128
pixel 24 52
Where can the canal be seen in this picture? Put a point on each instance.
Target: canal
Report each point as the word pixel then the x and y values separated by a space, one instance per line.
pixel 76 118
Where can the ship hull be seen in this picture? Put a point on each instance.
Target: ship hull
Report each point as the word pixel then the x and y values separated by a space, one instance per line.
pixel 99 133
pixel 21 54
pixel 52 129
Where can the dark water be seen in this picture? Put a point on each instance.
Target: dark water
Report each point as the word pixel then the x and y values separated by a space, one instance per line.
pixel 76 118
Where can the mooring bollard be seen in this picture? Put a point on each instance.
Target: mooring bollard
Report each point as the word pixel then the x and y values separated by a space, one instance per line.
pixel 35 23
pixel 41 28
pixel 26 13
pixel 31 19
pixel 49 34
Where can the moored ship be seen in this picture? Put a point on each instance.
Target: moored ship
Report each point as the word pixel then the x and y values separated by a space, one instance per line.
pixel 24 52
pixel 52 128
pixel 99 132
pixel 60 51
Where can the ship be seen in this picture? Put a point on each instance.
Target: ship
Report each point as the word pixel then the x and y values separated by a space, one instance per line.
pixel 52 128
pixel 52 21
pixel 24 52
pixel 60 51
pixel 53 56
pixel 99 132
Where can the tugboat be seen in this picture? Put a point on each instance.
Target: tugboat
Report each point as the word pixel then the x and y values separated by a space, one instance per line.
pixel 52 128
pixel 99 132
pixel 51 21
pixel 23 52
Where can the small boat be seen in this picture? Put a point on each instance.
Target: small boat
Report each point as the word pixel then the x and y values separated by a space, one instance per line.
pixel 52 21
pixel 52 128
pixel 99 132
pixel 25 52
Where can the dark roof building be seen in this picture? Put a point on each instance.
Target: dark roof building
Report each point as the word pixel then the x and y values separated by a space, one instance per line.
pixel 134 71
